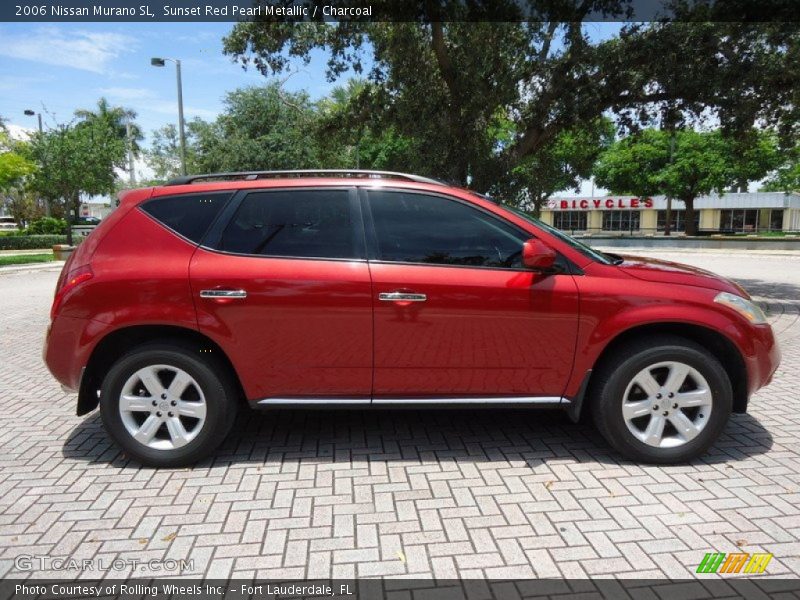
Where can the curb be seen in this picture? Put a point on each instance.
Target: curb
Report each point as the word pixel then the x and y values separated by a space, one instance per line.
pixel 632 250
pixel 55 264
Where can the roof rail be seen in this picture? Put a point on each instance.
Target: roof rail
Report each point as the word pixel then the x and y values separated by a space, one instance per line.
pixel 253 175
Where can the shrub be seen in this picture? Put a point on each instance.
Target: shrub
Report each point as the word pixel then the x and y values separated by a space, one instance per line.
pixel 47 226
pixel 31 242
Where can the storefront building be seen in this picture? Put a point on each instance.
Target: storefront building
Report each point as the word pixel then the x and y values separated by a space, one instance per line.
pixel 730 213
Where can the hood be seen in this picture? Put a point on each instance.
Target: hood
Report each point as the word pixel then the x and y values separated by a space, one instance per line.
pixel 664 271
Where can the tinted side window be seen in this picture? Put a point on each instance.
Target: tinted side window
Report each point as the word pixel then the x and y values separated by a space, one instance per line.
pixel 295 223
pixel 190 214
pixel 430 229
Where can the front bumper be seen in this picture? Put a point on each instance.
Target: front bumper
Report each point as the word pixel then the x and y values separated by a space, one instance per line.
pixel 764 358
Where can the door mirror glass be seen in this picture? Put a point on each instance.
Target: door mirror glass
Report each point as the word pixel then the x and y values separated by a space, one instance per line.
pixel 537 255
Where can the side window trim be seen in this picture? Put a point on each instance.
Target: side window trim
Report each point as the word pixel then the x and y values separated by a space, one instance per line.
pixel 213 238
pixel 370 235
pixel 373 254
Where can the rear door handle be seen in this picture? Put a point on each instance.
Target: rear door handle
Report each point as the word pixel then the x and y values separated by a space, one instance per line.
pixel 402 297
pixel 223 294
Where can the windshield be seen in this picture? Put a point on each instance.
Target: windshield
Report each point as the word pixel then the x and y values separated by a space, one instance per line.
pixel 587 251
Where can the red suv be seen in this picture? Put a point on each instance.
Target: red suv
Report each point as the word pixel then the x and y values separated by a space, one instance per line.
pixel 342 288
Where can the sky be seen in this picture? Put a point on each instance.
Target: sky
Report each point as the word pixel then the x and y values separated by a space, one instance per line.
pixel 56 69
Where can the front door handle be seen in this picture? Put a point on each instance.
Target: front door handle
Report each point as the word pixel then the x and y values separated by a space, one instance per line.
pixel 402 297
pixel 222 294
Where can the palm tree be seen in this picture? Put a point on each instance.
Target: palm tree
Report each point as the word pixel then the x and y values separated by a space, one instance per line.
pixel 118 118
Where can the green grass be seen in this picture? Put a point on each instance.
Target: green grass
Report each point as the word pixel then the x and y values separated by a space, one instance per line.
pixel 24 259
pixel 772 234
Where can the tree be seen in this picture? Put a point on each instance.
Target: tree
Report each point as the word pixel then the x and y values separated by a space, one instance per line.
pixel 22 205
pixel 117 118
pixel 76 159
pixel 164 154
pixel 786 178
pixel 559 165
pixel 435 81
pixel 693 164
pixel 350 136
pixel 261 128
pixel 14 166
pixel 14 169
pixel 746 74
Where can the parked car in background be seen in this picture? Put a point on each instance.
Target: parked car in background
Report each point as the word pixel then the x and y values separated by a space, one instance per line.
pixel 374 289
pixel 83 226
pixel 8 224
pixel 85 221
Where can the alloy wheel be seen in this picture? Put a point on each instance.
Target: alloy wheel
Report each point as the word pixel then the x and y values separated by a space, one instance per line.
pixel 667 404
pixel 162 407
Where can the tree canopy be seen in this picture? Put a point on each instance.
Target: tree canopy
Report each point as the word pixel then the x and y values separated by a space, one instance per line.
pixel 683 164
pixel 76 159
pixel 14 166
pixel 454 84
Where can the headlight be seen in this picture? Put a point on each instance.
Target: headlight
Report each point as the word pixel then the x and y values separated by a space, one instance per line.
pixel 749 310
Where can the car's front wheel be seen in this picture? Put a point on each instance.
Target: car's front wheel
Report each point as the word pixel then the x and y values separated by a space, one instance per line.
pixel 662 400
pixel 166 406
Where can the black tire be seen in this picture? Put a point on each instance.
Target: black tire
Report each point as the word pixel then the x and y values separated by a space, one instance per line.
pixel 619 369
pixel 219 391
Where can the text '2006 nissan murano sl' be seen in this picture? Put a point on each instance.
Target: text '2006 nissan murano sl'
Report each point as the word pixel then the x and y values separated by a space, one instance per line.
pixel 374 289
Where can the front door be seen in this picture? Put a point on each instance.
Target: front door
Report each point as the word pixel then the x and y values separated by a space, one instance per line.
pixel 456 313
pixel 286 292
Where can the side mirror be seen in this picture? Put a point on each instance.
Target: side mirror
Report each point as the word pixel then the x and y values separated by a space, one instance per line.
pixel 537 255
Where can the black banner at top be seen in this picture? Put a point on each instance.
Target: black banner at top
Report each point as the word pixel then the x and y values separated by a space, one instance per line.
pixel 149 11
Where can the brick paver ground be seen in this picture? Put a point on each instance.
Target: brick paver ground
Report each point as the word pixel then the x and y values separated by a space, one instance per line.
pixel 428 494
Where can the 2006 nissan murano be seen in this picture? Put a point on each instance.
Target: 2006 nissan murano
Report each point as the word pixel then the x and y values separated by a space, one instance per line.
pixel 341 288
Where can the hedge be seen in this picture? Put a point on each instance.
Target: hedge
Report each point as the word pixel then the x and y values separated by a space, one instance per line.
pixel 31 242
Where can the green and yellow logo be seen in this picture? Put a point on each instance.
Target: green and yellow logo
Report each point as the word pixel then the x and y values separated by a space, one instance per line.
pixel 737 562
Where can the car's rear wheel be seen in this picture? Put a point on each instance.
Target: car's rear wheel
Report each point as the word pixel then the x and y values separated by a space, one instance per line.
pixel 661 400
pixel 166 406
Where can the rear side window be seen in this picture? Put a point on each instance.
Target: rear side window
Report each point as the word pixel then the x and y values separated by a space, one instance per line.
pixel 293 223
pixel 190 215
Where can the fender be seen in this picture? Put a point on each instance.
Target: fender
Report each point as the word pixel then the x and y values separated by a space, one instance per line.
pixel 595 335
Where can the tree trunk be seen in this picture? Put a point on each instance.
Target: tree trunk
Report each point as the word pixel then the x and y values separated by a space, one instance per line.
pixel 741 185
pixel 689 216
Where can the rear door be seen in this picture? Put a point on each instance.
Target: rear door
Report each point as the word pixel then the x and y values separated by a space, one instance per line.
pixel 456 313
pixel 282 284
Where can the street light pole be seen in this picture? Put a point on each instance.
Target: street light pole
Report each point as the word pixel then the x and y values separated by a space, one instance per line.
pixel 160 62
pixel 28 112
pixel 180 117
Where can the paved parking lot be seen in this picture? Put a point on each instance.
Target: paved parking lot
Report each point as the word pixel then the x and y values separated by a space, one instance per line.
pixel 346 494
